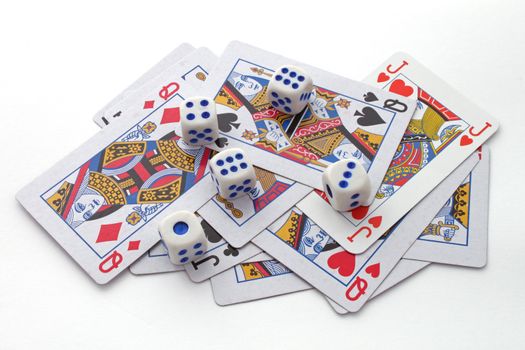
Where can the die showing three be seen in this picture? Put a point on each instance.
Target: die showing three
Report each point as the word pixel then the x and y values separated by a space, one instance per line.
pixel 346 184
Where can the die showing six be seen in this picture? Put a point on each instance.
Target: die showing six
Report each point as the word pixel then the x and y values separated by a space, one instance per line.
pixel 289 89
pixel 198 122
pixel 232 173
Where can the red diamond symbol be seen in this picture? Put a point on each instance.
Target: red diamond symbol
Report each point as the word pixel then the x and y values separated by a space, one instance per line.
pixel 149 104
pixel 133 245
pixel 170 115
pixel 108 232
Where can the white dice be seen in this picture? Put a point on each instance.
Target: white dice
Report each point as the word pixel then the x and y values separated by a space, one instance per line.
pixel 233 174
pixel 346 184
pixel 183 237
pixel 289 89
pixel 198 122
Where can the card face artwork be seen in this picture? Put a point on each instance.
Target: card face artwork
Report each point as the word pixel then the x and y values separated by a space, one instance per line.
pixel 458 235
pixel 239 220
pixel 192 70
pixel 348 279
pixel 103 117
pixel 103 201
pixel 255 280
pixel 343 118
pixel 443 132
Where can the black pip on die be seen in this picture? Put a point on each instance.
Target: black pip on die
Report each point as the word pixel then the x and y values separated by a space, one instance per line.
pixel 199 123
pixel 346 184
pixel 183 237
pixel 233 174
pixel 289 89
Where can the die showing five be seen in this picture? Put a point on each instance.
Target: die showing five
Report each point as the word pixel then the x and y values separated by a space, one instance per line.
pixel 183 236
pixel 232 173
pixel 289 89
pixel 199 123
pixel 346 184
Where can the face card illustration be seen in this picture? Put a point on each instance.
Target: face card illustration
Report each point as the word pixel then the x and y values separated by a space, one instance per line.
pixel 255 280
pixel 458 235
pixel 103 201
pixel 443 132
pixel 192 70
pixel 102 117
pixel 220 256
pixel 239 220
pixel 343 119
pixel 298 242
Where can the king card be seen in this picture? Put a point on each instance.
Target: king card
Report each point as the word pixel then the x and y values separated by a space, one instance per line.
pixel 103 201
pixel 298 242
pixel 342 119
pixel 444 131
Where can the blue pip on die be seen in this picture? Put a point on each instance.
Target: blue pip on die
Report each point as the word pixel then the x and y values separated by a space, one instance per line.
pixel 233 173
pixel 183 236
pixel 346 184
pixel 289 89
pixel 198 122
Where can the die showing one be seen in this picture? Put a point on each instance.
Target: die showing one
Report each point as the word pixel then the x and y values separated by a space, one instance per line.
pixel 183 236
pixel 289 89
pixel 233 173
pixel 346 184
pixel 198 122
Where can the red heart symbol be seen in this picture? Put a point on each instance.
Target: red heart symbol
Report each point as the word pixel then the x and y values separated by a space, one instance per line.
pixel 399 87
pixel 359 212
pixel 343 262
pixel 382 77
pixel 373 270
pixel 375 221
pixel 465 140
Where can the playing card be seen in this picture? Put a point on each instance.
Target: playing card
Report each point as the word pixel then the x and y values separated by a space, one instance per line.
pixel 239 220
pixel 103 201
pixel 458 234
pixel 404 269
pixel 444 131
pixel 260 278
pixel 299 243
pixel 192 69
pixel 343 119
pixel 218 257
pixel 255 280
pixel 102 118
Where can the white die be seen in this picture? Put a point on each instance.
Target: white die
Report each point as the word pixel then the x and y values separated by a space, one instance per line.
pixel 289 89
pixel 233 174
pixel 183 237
pixel 198 122
pixel 346 184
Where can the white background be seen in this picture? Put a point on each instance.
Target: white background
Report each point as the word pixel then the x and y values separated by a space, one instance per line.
pixel 61 62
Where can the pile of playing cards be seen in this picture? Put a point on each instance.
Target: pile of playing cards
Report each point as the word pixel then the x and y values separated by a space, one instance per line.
pixel 418 139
